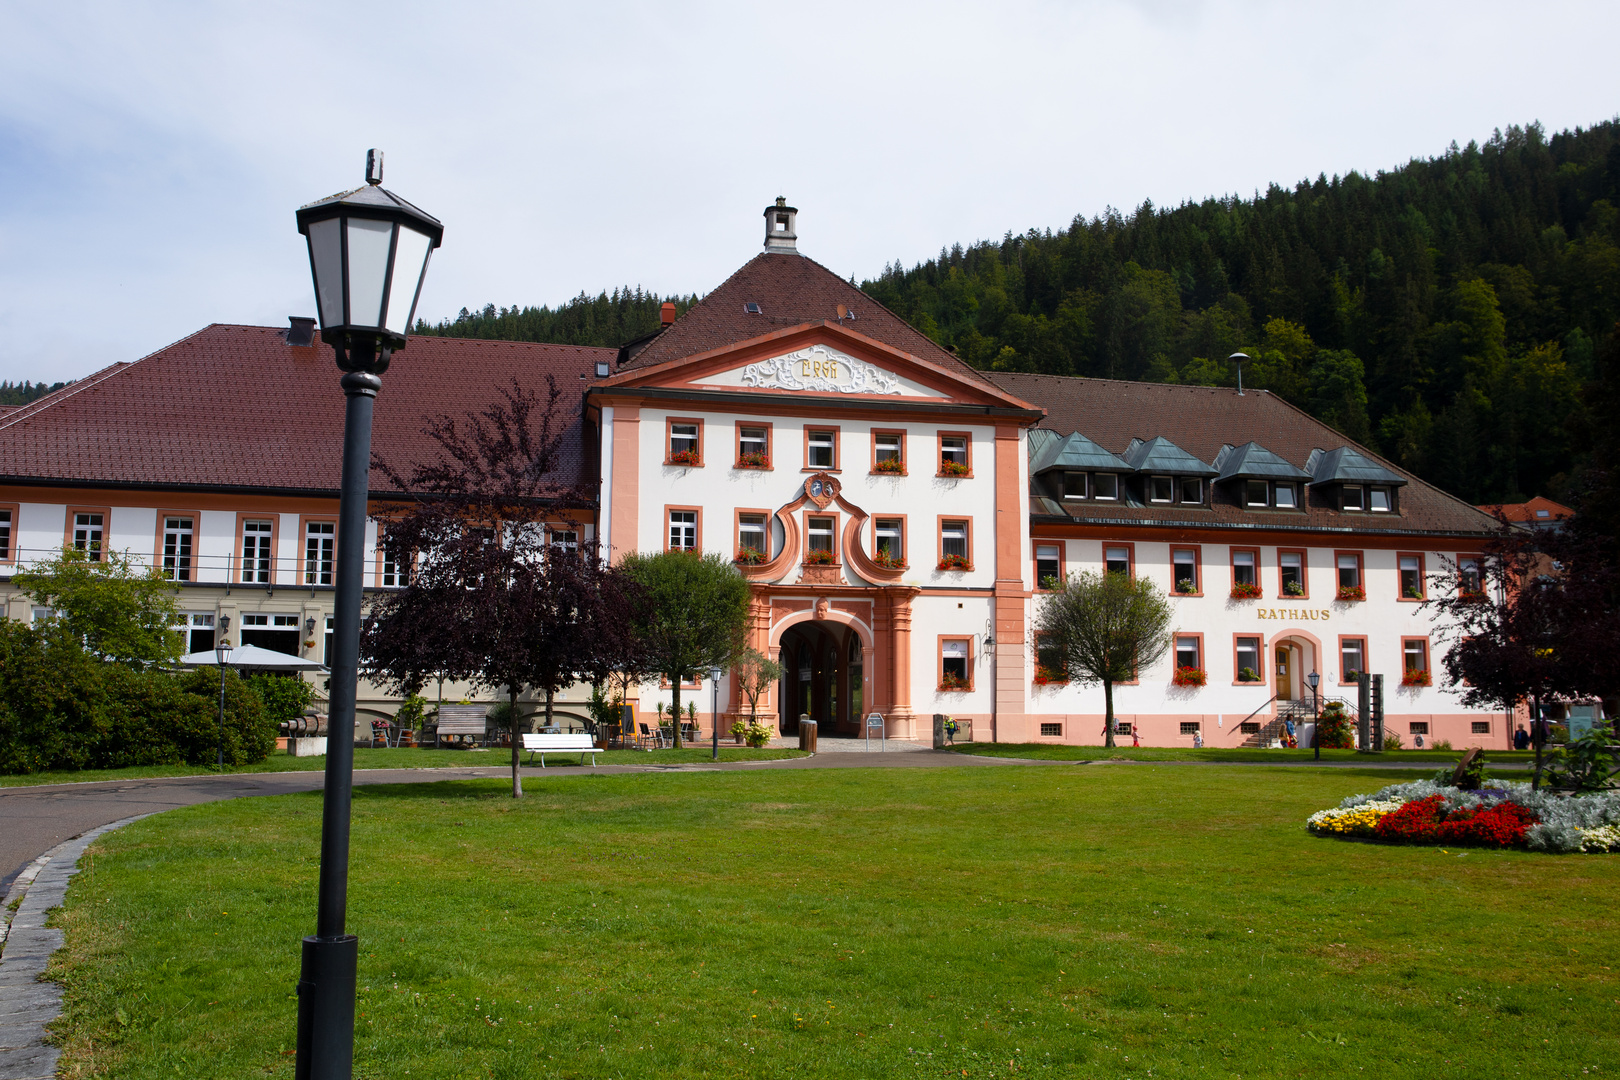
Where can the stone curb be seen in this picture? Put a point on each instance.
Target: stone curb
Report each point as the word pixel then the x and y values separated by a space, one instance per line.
pixel 27 1004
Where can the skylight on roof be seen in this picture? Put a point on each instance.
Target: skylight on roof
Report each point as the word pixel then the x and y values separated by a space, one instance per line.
pixel 752 308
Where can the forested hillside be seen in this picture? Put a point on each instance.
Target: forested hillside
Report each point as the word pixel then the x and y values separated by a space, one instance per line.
pixel 21 393
pixel 608 319
pixel 1447 312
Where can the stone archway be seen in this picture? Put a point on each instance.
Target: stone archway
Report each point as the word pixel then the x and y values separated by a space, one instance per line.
pixel 827 669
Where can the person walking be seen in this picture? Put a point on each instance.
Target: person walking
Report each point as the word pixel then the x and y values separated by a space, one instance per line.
pixel 1521 739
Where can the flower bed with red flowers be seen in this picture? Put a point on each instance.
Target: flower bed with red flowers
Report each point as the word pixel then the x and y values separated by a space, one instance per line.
pixel 1426 821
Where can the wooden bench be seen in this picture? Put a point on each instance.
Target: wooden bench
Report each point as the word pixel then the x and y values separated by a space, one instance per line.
pixel 461 721
pixel 544 744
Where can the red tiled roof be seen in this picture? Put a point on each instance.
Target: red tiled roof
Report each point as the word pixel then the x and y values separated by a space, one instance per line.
pixel 790 290
pixel 237 407
pixel 1538 511
pixel 1200 419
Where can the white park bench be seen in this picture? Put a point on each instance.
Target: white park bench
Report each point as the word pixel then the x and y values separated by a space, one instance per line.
pixel 544 744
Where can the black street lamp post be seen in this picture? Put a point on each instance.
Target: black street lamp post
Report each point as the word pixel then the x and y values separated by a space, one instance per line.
pixel 368 254
pixel 222 653
pixel 1315 680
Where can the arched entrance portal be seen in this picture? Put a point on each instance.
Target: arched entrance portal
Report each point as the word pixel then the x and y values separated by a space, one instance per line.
pixel 822 676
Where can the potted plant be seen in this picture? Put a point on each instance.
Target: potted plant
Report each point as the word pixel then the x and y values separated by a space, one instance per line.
pixel 1045 676
pixel 955 562
pixel 757 734
pixel 1417 677
pixel 1186 585
pixel 1248 674
pixel 819 558
pixel 750 556
pixel 739 731
pixel 951 681
pixel 1294 588
pixel 1246 590
pixel 953 468
pixel 1414 593
pixel 888 562
pixel 754 459
pixel 1351 593
pixel 1189 676
pixel 684 457
pixel 890 467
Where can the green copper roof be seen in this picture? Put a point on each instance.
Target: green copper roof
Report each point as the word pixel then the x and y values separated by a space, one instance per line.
pixel 1072 452
pixel 1253 461
pixel 1347 466
pixel 1160 455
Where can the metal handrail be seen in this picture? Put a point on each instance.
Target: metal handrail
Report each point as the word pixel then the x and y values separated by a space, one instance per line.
pixel 1256 712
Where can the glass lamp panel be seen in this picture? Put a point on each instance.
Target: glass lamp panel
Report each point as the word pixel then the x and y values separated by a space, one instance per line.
pixel 326 253
pixel 368 269
pixel 410 263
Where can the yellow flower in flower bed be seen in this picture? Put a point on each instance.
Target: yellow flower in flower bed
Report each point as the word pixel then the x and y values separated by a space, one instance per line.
pixel 1352 821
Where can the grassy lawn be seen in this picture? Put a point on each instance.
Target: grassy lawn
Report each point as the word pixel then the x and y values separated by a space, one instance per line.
pixel 405 758
pixel 1052 752
pixel 846 923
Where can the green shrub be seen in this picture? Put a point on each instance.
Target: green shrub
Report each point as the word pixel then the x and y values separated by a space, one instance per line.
pixel 1333 728
pixel 1392 741
pixel 285 697
pixel 62 708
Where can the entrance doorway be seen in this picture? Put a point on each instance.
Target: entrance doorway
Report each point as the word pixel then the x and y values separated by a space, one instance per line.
pixel 1285 673
pixel 822 677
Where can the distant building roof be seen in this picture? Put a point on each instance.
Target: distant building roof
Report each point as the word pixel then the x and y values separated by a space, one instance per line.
pixel 1160 455
pixel 1073 451
pixel 236 407
pixel 1202 421
pixel 1538 511
pixel 1251 461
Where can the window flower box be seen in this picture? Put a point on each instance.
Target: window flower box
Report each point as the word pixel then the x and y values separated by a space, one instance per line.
pixel 750 556
pixel 1417 678
pixel 890 467
pixel 887 561
pixel 820 558
pixel 1471 596
pixel 1248 675
pixel 1186 586
pixel 950 682
pixel 1045 676
pixel 1414 593
pixel 1294 588
pixel 954 562
pixel 1246 590
pixel 1190 676
pixel 684 457
pixel 1351 593
pixel 754 459
pixel 953 468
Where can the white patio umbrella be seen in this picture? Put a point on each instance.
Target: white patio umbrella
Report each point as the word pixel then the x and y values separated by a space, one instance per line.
pixel 253 658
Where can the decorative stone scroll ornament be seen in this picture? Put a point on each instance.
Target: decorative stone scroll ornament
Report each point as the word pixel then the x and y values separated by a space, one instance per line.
pixel 820 368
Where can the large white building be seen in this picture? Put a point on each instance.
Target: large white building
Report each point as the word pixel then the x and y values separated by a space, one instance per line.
pixel 895 510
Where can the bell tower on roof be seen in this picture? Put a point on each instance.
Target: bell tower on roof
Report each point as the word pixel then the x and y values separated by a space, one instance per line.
pixel 779 227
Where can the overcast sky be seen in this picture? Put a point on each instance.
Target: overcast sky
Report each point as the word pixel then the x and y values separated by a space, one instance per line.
pixel 152 154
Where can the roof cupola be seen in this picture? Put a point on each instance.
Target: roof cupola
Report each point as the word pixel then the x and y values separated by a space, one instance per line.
pixel 779 227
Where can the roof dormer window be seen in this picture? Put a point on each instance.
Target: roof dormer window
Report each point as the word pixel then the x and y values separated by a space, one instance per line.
pixel 1105 486
pixel 1192 491
pixel 1378 500
pixel 1161 489
pixel 1352 497
pixel 1074 485
pixel 1256 493
pixel 1284 497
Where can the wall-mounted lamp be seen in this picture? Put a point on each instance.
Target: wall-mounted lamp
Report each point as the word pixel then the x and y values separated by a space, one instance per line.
pixel 309 625
pixel 989 636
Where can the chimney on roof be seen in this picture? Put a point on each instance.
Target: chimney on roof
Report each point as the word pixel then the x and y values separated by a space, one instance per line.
pixel 666 314
pixel 300 331
pixel 779 234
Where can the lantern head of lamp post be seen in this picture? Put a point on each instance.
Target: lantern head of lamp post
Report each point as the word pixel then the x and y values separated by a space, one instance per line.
pixel 1315 680
pixel 368 253
pixel 222 652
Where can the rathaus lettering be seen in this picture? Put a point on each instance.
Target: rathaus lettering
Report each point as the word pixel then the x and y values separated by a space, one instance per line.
pixel 820 368
pixel 1311 614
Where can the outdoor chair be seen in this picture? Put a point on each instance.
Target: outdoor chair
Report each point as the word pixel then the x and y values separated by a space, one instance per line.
pixel 648 740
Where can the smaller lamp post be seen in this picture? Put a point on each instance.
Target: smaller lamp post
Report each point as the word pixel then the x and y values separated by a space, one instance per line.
pixel 222 653
pixel 714 708
pixel 1316 714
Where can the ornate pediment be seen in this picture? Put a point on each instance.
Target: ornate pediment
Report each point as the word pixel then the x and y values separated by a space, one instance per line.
pixel 820 369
